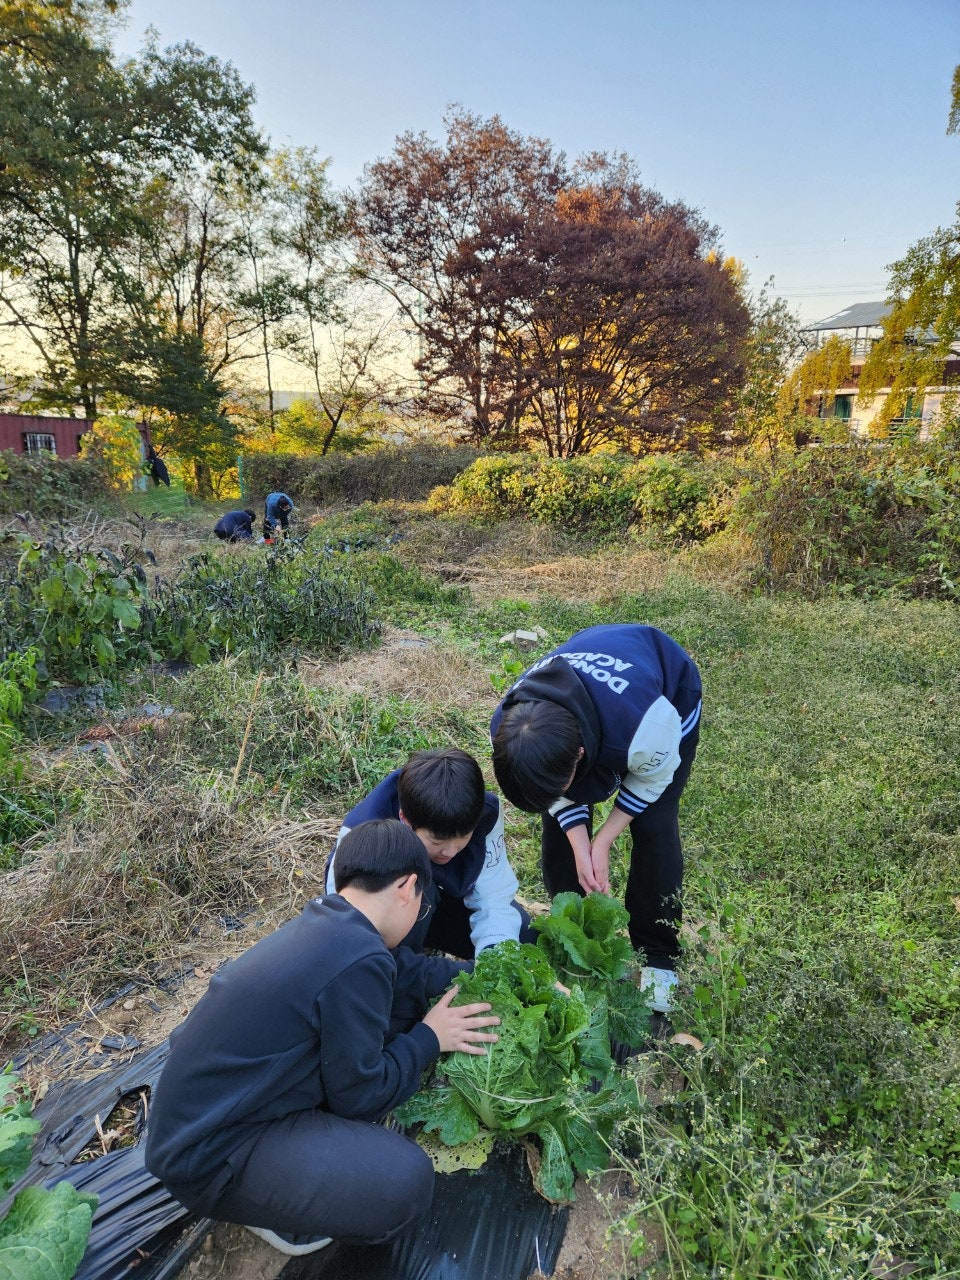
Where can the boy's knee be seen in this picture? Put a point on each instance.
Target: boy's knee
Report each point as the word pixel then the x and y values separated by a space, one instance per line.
pixel 408 1195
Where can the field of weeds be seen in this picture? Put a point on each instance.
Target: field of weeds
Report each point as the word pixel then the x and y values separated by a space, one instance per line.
pixel 817 1130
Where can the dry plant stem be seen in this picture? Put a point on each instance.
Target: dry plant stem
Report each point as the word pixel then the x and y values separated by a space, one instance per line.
pixel 246 732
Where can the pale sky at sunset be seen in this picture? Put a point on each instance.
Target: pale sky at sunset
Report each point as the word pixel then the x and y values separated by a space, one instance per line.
pixel 813 135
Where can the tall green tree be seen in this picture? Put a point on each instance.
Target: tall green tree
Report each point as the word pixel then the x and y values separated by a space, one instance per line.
pixel 82 133
pixel 924 320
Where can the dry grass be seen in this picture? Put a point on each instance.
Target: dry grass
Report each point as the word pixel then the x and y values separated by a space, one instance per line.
pixel 117 896
pixel 410 666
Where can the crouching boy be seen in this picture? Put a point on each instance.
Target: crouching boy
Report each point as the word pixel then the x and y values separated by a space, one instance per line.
pixel 440 795
pixel 265 1112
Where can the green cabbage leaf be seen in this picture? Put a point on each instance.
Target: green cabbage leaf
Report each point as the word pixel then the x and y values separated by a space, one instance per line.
pixel 44 1234
pixel 540 1078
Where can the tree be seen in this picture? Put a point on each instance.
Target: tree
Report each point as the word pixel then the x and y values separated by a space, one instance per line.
pixel 339 333
pixel 766 405
pixel 564 307
pixel 82 135
pixel 634 334
pixel 924 319
pixel 443 228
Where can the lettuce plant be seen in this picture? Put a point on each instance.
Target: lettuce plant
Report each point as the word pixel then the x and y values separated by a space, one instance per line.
pixel 542 1077
pixel 586 941
pixel 44 1234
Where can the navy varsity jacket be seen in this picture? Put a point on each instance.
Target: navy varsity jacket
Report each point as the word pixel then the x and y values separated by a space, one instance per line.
pixel 635 694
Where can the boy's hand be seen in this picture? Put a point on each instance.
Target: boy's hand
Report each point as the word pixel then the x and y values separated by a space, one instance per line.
pixel 458 1027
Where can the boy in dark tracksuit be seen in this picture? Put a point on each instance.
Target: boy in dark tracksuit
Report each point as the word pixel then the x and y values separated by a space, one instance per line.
pixel 276 514
pixel 441 796
pixel 616 709
pixel 265 1113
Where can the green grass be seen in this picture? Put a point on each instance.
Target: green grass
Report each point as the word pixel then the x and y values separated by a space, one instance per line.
pixel 817 1133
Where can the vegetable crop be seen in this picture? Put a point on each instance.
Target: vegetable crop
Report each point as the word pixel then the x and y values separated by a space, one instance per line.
pixel 44 1234
pixel 550 1074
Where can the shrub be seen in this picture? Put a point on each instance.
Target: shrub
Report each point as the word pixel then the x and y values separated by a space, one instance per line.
pixel 261 605
pixel 857 517
pixel 79 608
pixel 678 496
pixel 50 487
pixel 402 472
pixel 675 496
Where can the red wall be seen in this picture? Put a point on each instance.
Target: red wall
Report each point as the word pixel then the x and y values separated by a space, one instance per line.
pixel 65 431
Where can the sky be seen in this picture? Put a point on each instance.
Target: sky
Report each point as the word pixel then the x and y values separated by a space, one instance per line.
pixel 813 134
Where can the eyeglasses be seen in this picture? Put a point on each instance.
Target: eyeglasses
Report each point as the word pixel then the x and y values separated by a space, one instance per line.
pixel 424 911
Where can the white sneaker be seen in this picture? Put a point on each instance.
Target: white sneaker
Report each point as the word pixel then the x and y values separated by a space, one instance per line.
pixel 287 1246
pixel 663 982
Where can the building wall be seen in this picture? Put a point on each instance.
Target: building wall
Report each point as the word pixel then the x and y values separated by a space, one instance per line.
pixel 32 433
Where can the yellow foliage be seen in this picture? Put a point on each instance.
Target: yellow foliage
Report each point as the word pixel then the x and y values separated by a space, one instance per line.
pixel 115 441
pixel 819 374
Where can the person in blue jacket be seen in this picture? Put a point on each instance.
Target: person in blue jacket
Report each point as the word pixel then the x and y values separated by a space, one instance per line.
pixel 266 1110
pixel 276 515
pixel 235 526
pixel 613 711
pixel 441 796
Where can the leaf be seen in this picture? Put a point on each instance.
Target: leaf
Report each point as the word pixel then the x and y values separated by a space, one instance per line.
pixel 16 1142
pixel 44 1235
pixel 126 613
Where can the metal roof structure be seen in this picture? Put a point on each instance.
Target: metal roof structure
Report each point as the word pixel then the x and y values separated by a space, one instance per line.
pixel 861 315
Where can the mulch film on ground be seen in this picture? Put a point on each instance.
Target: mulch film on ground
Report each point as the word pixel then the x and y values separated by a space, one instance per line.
pixel 483 1223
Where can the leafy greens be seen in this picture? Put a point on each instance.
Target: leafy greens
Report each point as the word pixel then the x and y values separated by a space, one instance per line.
pixel 550 1073
pixel 44 1235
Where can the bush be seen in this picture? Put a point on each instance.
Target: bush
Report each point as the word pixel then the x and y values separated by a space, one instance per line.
pixel 402 472
pixel 79 608
pixel 679 497
pixel 262 605
pixel 50 487
pixel 858 517
pixel 674 496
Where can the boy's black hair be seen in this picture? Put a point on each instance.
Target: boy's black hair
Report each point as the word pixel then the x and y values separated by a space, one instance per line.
pixel 442 792
pixel 375 854
pixel 251 514
pixel 535 752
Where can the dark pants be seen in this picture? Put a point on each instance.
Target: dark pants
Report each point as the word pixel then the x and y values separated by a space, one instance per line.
pixel 655 878
pixel 317 1174
pixel 447 927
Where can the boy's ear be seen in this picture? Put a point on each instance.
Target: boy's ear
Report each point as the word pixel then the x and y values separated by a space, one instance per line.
pixel 407 886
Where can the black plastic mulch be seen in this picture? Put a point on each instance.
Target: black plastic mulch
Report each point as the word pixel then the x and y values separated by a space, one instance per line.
pixel 483 1224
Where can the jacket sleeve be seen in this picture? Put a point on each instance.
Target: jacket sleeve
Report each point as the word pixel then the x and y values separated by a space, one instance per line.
pixel 569 814
pixel 363 1076
pixel 493 917
pixel 652 758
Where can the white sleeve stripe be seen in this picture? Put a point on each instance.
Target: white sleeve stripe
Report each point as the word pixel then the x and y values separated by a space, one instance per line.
pixel 573 816
pixel 691 720
pixel 630 803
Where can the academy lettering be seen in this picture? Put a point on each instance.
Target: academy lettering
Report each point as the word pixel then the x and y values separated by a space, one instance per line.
pixel 598 660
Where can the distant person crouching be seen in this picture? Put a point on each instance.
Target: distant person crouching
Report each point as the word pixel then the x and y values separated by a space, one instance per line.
pixel 235 526
pixel 276 515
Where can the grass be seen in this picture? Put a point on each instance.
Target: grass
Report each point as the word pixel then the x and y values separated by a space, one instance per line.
pixel 817 1132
